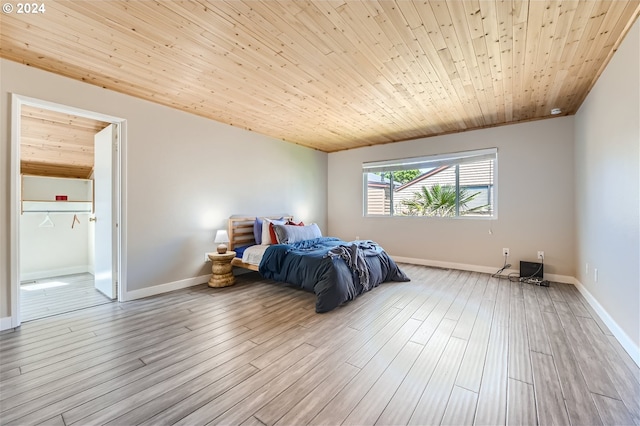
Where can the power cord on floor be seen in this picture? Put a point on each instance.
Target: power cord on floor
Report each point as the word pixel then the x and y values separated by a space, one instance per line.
pixel 499 272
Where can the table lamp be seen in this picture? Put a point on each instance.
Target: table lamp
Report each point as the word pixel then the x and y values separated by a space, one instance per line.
pixel 222 238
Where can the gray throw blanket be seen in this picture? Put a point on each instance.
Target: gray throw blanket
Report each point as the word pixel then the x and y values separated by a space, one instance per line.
pixel 353 255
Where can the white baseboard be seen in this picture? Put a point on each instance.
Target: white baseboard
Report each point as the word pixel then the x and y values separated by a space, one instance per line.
pixel 627 343
pixel 164 288
pixel 5 323
pixel 477 268
pixel 37 275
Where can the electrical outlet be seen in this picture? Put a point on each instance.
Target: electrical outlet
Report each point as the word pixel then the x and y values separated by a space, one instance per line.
pixel 206 257
pixel 505 252
pixel 541 255
pixel 586 268
pixel 595 275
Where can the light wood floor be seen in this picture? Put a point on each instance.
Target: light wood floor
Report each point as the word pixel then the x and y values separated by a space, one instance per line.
pixel 53 296
pixel 449 347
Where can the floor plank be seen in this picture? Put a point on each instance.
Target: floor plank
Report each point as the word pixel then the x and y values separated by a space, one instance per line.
pixel 625 357
pixel 612 411
pixel 470 375
pixel 492 400
pixel 314 402
pixel 519 351
pixel 536 332
pixel 401 406
pixel 227 400
pixel 578 399
pixel 548 393
pixel 52 296
pixel 625 384
pixel 432 404
pixel 339 408
pixel 371 405
pixel 461 407
pixel 204 387
pixel 521 407
pixel 448 347
pixel 594 373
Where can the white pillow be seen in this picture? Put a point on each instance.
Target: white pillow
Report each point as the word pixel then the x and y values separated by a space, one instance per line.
pixel 266 235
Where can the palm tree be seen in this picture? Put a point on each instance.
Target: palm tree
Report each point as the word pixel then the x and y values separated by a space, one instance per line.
pixel 440 200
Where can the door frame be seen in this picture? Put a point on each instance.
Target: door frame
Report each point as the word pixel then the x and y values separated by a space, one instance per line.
pixel 119 194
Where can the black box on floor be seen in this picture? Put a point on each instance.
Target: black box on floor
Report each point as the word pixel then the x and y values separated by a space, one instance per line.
pixel 531 270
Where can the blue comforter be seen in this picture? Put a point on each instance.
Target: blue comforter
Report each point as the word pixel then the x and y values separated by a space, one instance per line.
pixel 336 271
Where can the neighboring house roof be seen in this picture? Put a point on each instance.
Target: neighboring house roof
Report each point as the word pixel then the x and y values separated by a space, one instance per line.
pixel 422 177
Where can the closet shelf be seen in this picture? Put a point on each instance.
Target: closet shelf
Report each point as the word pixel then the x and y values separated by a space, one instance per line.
pixel 44 206
pixel 39 195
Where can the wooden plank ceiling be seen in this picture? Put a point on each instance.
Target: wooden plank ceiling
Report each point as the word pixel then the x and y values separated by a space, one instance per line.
pixel 56 144
pixel 333 75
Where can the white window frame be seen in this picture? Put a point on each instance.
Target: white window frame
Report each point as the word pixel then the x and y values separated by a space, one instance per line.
pixel 431 161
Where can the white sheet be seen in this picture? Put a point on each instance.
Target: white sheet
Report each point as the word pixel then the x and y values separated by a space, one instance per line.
pixel 253 255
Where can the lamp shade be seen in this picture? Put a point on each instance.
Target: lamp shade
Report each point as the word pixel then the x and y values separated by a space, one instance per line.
pixel 221 236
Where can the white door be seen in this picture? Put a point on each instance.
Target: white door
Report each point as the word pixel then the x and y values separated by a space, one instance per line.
pixel 105 224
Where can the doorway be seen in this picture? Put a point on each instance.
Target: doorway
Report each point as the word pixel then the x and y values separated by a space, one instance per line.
pixel 75 211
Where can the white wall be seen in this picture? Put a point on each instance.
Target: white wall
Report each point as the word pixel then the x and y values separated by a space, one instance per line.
pixel 185 176
pixel 607 158
pixel 62 249
pixel 53 251
pixel 535 200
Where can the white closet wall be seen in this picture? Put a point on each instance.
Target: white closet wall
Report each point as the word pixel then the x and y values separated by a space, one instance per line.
pixel 62 249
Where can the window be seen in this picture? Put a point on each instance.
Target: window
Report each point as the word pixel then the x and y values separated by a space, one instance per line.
pixel 460 184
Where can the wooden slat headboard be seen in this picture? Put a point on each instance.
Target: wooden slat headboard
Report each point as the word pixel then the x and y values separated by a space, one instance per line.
pixel 240 230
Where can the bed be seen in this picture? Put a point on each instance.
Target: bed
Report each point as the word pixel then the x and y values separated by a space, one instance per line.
pixel 335 270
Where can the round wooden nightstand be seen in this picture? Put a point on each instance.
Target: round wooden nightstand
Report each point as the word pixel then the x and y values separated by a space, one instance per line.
pixel 222 275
